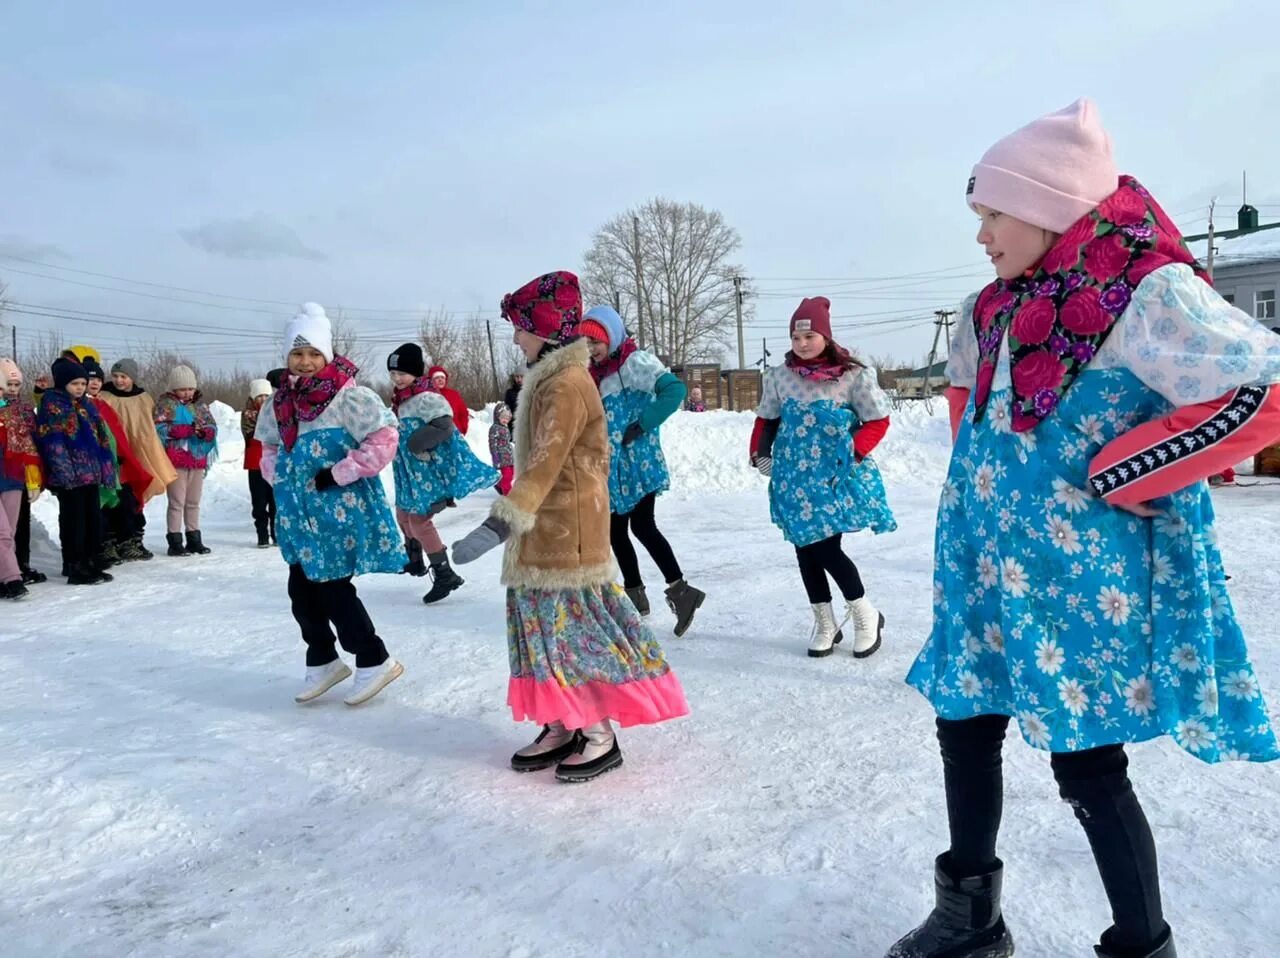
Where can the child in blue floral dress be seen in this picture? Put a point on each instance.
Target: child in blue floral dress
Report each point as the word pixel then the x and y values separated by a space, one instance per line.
pixel 324 442
pixel 434 467
pixel 818 420
pixel 1077 588
pixel 639 395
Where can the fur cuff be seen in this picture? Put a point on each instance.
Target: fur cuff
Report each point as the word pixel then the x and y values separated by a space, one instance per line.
pixel 517 519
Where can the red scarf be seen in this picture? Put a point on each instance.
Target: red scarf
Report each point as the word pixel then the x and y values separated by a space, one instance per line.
pixel 613 362
pixel 420 385
pixel 1058 316
pixel 303 398
pixel 822 369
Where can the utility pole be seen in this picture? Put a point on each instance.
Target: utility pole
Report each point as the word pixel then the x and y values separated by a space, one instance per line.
pixel 737 302
pixel 764 353
pixel 493 363
pixel 635 252
pixel 1208 265
pixel 944 322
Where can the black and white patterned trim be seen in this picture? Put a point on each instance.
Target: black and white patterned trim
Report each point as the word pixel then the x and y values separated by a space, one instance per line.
pixel 1234 415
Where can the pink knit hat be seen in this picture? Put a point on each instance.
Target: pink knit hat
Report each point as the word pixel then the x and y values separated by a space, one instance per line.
pixel 1051 172
pixel 9 370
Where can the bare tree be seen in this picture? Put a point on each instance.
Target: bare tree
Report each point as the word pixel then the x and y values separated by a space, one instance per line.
pixel 666 268
pixel 461 346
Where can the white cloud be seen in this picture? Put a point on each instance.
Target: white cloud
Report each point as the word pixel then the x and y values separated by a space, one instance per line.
pixel 256 237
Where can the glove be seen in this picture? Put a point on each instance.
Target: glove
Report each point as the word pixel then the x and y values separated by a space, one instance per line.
pixel 205 432
pixel 632 433
pixel 488 535
pixel 325 480
pixel 439 506
pixel 764 465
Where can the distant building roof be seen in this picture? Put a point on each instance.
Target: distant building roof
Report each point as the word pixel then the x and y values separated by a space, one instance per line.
pixel 1260 246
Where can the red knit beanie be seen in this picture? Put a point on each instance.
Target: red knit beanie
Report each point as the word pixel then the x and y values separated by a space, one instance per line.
pixel 591 329
pixel 813 316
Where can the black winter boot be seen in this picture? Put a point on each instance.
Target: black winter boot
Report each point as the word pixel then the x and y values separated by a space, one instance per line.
pixel 684 600
pixel 33 576
pixel 195 545
pixel 83 573
pixel 108 557
pixel 638 598
pixel 965 921
pixel 176 548
pixel 1161 948
pixel 443 579
pixel 415 566
pixel 144 554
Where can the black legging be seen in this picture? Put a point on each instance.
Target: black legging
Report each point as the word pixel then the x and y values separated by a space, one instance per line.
pixel 1094 783
pixel 317 604
pixel 79 526
pixel 819 558
pixel 644 528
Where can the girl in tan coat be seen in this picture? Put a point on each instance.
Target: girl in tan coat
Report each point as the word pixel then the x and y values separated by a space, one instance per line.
pixel 581 658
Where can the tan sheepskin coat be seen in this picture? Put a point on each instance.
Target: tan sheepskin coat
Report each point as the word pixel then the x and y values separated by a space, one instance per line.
pixel 558 508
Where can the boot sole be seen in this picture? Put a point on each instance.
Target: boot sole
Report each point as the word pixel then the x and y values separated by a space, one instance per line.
pixel 816 654
pixel 302 698
pixel 452 590
pixel 571 776
pixel 865 653
pixel 377 687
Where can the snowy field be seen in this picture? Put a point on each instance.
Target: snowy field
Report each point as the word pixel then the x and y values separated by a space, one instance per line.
pixel 162 796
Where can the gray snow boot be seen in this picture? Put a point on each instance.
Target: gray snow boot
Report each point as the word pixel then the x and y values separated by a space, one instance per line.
pixel 638 598
pixel 684 600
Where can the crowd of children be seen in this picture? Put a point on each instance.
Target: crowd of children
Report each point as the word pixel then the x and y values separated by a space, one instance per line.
pixel 1096 384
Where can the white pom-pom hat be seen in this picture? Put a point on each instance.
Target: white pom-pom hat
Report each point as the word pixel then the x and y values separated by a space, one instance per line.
pixel 310 327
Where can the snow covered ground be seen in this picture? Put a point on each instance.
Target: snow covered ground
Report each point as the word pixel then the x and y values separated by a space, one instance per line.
pixel 161 795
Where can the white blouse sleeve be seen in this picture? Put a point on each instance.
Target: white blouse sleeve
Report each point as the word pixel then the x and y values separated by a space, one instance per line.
pixel 641 371
pixel 770 406
pixel 267 431
pixel 363 413
pixel 866 397
pixel 962 354
pixel 1189 344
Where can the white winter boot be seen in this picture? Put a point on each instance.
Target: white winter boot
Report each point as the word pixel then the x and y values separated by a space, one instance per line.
pixel 369 682
pixel 596 752
pixel 826 633
pixel 868 626
pixel 553 744
pixel 321 678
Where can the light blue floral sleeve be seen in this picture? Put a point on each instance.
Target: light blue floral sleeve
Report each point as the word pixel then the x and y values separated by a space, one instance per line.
pixel 363 412
pixel 1189 344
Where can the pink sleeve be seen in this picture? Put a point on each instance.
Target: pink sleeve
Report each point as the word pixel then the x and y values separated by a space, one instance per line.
pixel 1191 443
pixel 370 457
pixel 267 465
pixel 957 399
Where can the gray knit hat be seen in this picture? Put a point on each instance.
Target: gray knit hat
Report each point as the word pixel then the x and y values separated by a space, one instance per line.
pixel 182 377
pixel 127 366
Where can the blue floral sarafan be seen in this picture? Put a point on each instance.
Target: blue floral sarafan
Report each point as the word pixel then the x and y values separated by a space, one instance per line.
pixel 1088 624
pixel 638 469
pixel 449 471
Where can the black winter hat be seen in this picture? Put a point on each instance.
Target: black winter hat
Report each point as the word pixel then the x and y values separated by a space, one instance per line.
pixel 407 359
pixel 93 369
pixel 275 377
pixel 66 370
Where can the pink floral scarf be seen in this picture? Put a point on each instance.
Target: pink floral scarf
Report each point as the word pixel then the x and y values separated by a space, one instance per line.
pixel 613 362
pixel 303 398
pixel 1059 315
pixel 822 369
pixel 420 385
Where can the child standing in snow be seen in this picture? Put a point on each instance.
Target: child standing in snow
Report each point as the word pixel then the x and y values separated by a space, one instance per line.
pixel 22 467
pixel 500 447
pixel 121 501
pixel 580 655
pixel 439 377
pixel 324 441
pixel 75 448
pixel 434 467
pixel 695 403
pixel 136 410
pixel 639 395
pixel 14 437
pixel 190 436
pixel 261 498
pixel 1095 384
pixel 820 416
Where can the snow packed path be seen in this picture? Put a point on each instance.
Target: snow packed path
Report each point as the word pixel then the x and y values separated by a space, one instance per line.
pixel 161 795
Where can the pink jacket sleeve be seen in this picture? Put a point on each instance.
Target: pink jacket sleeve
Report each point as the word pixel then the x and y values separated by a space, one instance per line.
pixel 267 465
pixel 1191 443
pixel 369 458
pixel 957 399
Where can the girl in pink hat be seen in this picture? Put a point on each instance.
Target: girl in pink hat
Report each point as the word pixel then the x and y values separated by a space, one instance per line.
pixel 820 416
pixel 1096 383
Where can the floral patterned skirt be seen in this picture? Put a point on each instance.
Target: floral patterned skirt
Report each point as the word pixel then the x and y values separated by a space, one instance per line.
pixel 582 655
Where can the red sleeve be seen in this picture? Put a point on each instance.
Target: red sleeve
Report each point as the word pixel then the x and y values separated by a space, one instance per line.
pixel 132 472
pixel 1191 443
pixel 756 432
pixel 868 436
pixel 957 399
pixel 461 415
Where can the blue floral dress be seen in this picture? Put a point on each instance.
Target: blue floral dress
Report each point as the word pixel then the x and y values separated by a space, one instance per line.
pixel 449 471
pixel 639 469
pixel 340 532
pixel 817 490
pixel 1089 625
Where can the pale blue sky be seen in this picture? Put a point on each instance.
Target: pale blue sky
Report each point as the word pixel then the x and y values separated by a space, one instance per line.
pixel 412 155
